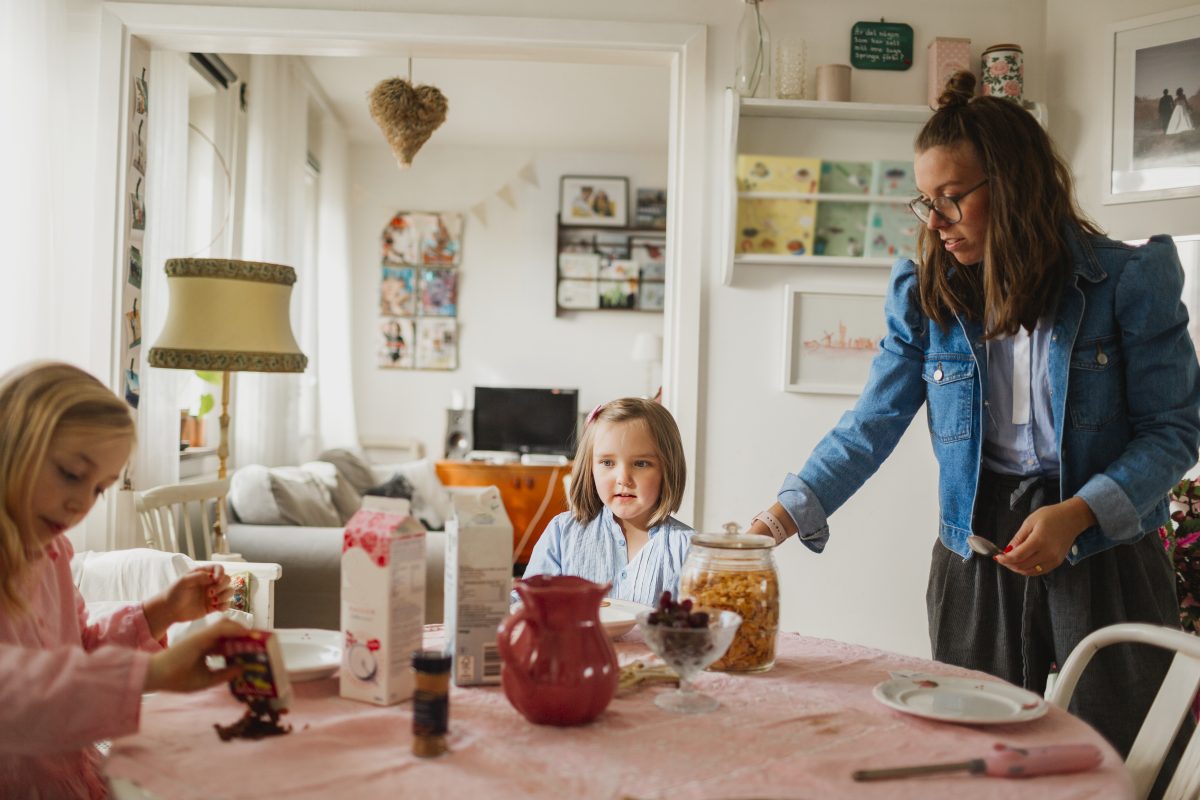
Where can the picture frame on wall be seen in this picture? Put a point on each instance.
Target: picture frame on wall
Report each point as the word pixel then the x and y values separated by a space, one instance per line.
pixel 1153 145
pixel 832 334
pixel 594 201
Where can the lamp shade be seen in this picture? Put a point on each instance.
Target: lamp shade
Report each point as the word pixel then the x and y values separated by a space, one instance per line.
pixel 228 315
pixel 647 348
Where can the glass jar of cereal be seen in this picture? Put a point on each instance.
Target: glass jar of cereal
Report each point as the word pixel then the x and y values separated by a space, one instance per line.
pixel 736 571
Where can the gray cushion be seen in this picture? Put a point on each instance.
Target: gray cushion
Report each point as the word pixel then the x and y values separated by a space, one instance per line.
pixel 352 467
pixel 345 499
pixel 281 496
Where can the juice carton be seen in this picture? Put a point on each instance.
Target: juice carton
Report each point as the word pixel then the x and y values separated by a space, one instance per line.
pixel 265 677
pixel 383 601
pixel 478 582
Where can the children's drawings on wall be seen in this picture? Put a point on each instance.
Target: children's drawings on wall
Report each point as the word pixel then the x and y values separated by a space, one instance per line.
pixel 420 253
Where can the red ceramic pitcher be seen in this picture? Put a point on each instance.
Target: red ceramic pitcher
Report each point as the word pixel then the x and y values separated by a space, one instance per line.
pixel 559 668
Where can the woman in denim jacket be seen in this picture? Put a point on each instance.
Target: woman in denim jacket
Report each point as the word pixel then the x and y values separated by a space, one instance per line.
pixel 1063 400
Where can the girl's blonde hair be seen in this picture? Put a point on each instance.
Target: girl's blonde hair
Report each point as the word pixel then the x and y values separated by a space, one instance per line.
pixel 39 401
pixel 585 500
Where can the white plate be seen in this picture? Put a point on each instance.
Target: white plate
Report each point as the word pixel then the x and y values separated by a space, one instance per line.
pixel 619 616
pixel 310 653
pixel 964 700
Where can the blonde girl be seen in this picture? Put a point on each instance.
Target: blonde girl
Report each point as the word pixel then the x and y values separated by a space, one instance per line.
pixel 628 477
pixel 64 439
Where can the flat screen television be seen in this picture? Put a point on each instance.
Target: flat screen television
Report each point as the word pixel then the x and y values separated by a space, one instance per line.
pixel 525 420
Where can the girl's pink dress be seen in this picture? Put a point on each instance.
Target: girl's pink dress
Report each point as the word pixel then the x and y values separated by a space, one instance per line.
pixel 63 686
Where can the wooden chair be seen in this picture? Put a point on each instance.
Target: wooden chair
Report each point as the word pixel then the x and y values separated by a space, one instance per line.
pixel 1171 705
pixel 182 517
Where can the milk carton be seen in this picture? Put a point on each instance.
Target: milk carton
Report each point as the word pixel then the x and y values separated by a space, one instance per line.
pixel 478 581
pixel 383 601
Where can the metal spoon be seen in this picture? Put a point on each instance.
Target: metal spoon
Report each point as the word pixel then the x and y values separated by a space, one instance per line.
pixel 984 547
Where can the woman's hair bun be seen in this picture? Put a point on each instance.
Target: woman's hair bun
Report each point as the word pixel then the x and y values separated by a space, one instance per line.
pixel 960 88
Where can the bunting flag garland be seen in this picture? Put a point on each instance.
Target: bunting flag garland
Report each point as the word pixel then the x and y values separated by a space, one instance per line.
pixel 505 193
pixel 529 175
pixel 480 212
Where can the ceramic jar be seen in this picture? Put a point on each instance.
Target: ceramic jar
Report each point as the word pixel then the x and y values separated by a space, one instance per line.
pixel 736 572
pixel 1002 71
pixel 558 666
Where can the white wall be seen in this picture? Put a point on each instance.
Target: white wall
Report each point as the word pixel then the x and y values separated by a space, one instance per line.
pixel 509 334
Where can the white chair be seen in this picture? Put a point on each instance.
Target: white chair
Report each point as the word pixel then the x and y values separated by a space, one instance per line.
pixel 180 517
pixel 1171 705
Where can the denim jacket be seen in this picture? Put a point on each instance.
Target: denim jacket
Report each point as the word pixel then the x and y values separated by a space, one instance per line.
pixel 1124 385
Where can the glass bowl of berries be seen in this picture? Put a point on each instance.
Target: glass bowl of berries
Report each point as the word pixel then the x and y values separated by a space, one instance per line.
pixel 688 640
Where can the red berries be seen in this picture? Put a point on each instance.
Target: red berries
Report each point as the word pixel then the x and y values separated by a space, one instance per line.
pixel 677 615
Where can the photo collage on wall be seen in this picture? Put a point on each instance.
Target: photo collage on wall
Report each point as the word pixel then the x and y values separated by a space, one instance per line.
pixel 135 232
pixel 418 291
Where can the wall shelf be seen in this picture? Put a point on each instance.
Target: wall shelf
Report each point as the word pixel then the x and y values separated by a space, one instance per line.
pixel 737 108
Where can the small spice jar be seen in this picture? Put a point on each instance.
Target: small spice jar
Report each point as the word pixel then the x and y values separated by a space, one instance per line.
pixel 431 703
pixel 737 572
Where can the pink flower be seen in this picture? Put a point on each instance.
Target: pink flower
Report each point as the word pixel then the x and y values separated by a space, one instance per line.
pixel 998 68
pixel 1012 88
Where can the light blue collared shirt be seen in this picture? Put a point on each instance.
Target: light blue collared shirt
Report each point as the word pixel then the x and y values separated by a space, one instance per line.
pixel 597 551
pixel 1028 447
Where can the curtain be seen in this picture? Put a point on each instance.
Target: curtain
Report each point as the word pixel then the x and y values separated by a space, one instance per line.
pixel 38 263
pixel 266 406
pixel 335 383
pixel 166 237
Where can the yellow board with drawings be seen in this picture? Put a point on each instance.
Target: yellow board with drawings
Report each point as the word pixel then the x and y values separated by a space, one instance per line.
pixel 784 227
pixel 778 173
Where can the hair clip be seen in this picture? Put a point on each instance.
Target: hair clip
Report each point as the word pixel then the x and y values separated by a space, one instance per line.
pixel 595 412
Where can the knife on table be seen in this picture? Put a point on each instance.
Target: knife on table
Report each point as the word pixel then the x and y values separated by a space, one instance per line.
pixel 1004 762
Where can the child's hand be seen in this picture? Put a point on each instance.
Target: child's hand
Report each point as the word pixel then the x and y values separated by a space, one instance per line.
pixel 182 667
pixel 197 593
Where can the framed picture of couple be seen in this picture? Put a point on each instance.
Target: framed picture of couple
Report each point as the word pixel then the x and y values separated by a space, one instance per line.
pixel 594 202
pixel 1153 150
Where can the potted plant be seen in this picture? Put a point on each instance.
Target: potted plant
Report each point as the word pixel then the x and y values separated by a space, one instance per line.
pixel 1181 538
pixel 191 420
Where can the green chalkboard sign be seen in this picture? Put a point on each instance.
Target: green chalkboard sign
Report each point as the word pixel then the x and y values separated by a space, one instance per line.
pixel 881 45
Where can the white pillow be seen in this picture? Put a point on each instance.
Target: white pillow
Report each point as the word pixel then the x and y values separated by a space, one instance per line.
pixel 430 501
pixel 126 575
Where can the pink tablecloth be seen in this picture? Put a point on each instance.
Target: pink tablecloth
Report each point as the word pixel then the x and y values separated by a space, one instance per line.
pixel 797 731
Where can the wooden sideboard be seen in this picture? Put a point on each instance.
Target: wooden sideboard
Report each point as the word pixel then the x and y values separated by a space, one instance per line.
pixel 524 490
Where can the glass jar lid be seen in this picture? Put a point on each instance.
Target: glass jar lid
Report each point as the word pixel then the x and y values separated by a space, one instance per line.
pixel 734 541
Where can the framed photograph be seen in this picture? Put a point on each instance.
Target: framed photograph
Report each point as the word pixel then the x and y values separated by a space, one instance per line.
pixel 396 345
pixel 651 209
pixel 594 201
pixel 831 335
pixel 1153 147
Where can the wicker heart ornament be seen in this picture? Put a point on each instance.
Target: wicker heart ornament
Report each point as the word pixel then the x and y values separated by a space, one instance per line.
pixel 408 115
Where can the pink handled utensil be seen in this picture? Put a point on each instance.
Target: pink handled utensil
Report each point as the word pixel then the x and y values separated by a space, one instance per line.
pixel 1004 762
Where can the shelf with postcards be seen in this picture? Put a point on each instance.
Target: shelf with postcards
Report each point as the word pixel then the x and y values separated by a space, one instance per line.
pixel 607 268
pixel 838 195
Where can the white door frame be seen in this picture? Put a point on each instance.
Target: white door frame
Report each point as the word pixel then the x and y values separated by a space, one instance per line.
pixel 368 33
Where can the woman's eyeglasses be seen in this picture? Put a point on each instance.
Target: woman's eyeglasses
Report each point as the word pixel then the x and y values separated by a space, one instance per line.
pixel 946 206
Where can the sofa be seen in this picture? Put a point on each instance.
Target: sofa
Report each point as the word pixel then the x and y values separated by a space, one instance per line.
pixel 295 516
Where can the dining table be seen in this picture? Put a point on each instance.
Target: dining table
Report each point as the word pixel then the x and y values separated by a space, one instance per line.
pixel 798 730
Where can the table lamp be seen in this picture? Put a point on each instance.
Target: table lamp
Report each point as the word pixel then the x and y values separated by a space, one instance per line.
pixel 647 349
pixel 227 316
